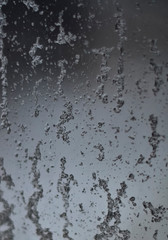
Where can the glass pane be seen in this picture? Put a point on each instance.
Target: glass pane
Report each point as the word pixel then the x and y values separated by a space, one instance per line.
pixel 83 134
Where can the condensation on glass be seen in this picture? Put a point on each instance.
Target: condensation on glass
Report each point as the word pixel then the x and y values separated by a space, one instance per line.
pixel 84 106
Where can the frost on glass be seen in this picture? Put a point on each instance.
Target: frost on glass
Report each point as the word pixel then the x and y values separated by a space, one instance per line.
pixel 83 128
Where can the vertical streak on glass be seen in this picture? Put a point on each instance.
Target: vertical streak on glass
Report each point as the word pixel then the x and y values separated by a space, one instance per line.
pixel 63 187
pixel 6 223
pixel 3 71
pixel 32 210
pixel 120 27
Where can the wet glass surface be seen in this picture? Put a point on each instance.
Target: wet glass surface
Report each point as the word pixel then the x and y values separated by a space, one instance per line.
pixel 84 109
